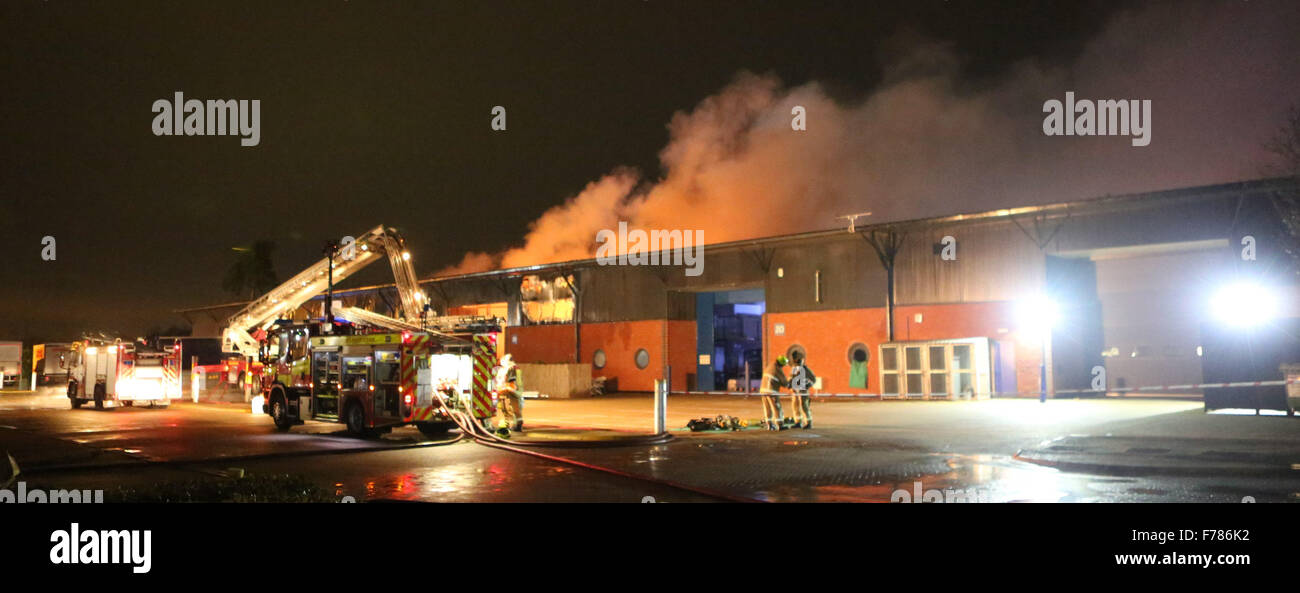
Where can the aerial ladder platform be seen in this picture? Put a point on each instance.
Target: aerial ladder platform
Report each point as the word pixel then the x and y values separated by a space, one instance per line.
pixel 379 242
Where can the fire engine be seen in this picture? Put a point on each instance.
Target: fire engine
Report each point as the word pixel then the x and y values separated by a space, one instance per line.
pixel 367 370
pixel 373 382
pixel 123 373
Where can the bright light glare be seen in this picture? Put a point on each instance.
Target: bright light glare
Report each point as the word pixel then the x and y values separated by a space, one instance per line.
pixel 1038 313
pixel 1244 304
pixel 134 389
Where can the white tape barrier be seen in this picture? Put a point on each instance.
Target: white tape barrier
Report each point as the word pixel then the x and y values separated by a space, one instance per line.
pixel 1148 388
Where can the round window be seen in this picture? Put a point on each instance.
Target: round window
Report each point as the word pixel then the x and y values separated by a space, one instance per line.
pixel 598 359
pixel 795 352
pixel 642 359
pixel 858 352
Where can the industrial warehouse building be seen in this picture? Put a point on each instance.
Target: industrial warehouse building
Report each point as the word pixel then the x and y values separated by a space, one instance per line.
pixel 1129 278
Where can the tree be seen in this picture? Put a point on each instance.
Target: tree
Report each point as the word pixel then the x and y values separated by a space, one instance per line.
pixel 252 273
pixel 1286 146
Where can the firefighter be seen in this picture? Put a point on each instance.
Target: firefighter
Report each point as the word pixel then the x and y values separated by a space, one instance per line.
pixel 509 402
pixel 801 381
pixel 773 380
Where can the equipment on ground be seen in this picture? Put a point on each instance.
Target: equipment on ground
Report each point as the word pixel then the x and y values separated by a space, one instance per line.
pixel 719 422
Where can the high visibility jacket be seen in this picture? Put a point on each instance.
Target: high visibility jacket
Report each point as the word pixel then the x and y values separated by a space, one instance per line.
pixel 773 379
pixel 802 379
pixel 507 379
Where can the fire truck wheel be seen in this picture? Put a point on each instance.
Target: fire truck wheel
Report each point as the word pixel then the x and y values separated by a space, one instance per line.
pixel 99 397
pixel 76 403
pixel 279 412
pixel 356 420
pixel 128 403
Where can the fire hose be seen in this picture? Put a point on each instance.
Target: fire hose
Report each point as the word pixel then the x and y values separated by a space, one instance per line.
pixel 481 435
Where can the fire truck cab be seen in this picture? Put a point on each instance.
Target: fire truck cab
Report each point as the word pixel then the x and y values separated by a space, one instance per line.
pixel 370 382
pixel 123 373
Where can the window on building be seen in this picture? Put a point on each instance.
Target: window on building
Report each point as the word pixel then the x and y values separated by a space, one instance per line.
pixel 795 352
pixel 858 353
pixel 598 359
pixel 963 367
pixel 944 369
pixel 937 357
pixel 914 370
pixel 889 384
pixel 642 358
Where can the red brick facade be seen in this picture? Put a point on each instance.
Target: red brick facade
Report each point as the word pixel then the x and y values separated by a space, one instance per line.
pixel 826 335
pixel 619 340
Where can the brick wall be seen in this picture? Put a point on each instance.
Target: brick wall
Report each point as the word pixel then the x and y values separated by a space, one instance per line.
pixel 827 336
pixel 620 341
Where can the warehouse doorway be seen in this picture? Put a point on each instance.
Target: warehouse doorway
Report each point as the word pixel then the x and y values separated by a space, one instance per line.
pixel 1150 301
pixel 729 339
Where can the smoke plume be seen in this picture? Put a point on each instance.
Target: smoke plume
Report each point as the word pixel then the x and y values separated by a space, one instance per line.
pixel 928 141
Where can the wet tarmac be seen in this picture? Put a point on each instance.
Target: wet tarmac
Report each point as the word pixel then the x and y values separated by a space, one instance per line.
pixel 876 452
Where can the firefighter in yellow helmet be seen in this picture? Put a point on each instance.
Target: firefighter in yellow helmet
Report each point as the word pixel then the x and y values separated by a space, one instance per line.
pixel 509 403
pixel 770 389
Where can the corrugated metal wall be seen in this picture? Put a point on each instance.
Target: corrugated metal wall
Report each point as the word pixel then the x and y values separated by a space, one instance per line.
pixel 994 262
pixel 851 276
pixel 997 260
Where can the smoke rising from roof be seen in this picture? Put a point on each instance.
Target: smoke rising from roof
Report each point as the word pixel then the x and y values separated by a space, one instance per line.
pixel 928 141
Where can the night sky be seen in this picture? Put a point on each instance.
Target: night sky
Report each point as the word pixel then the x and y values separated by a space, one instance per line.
pixel 379 113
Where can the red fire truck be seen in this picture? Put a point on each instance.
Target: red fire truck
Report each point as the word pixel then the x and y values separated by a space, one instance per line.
pixel 123 373
pixel 373 382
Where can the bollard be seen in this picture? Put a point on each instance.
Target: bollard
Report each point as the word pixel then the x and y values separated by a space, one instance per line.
pixel 661 406
pixel 248 379
pixel 196 379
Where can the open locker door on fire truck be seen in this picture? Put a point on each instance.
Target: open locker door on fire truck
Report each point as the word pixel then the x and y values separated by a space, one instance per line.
pixel 325 384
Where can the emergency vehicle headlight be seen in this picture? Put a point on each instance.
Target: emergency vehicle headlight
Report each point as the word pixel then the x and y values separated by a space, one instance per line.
pixel 92 350
pixel 112 349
